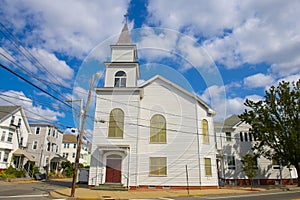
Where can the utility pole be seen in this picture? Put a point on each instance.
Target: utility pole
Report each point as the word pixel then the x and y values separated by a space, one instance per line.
pixel 80 137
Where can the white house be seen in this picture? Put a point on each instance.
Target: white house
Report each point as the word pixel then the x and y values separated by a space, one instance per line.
pixel 14 131
pixel 234 140
pixel 45 145
pixel 149 135
pixel 69 148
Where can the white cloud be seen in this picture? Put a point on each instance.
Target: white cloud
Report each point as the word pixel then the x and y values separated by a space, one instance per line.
pixel 194 54
pixel 155 44
pixel 225 106
pixel 71 27
pixel 238 32
pixel 292 78
pixel 55 70
pixel 203 17
pixel 6 56
pixel 33 112
pixel 258 80
pixel 254 98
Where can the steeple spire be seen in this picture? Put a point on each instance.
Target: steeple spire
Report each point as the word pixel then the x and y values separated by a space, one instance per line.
pixel 124 37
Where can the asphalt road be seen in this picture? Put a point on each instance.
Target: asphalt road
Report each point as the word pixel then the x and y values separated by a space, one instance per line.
pixel 40 191
pixel 36 190
pixel 283 195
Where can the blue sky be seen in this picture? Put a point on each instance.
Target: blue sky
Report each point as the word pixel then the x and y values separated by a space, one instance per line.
pixel 223 51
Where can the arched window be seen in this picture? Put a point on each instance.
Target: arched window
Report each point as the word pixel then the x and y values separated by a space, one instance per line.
pixel 120 79
pixel 158 129
pixel 116 123
pixel 205 131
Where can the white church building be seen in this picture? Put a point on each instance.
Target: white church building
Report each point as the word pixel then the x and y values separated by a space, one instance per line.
pixel 151 135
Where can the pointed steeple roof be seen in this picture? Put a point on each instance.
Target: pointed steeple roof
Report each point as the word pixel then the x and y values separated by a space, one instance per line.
pixel 124 37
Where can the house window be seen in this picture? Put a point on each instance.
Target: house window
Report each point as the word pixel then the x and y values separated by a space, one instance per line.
pixel 19 122
pixel 116 123
pixel 53 133
pixel 37 130
pixel 241 136
pixel 53 147
pixel 64 155
pixel 73 155
pixel 66 145
pixel 231 162
pixel 67 155
pixel 3 136
pixel 255 163
pixel 48 146
pixel 246 136
pixel 250 137
pixel 228 136
pixel 49 131
pixel 120 79
pixel 5 157
pixel 34 145
pixel 158 166
pixel 74 145
pixel 46 160
pixel 10 136
pixel 158 129
pixel 207 163
pixel 205 131
pixel 12 120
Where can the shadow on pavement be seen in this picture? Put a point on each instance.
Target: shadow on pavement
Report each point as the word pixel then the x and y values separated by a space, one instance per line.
pixel 65 183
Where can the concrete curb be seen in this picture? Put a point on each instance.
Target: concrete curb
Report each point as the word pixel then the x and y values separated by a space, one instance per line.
pixel 87 194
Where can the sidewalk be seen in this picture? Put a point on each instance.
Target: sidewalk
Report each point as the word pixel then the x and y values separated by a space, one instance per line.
pixel 84 193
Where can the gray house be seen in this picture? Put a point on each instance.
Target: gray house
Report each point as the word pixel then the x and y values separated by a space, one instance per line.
pixel 45 145
pixel 233 141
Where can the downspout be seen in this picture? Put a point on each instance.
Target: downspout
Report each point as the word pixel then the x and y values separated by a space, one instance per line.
pixel 128 167
pixel 137 145
pixel 198 143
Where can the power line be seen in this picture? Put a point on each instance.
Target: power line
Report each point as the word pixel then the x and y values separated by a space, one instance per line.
pixel 29 55
pixel 20 65
pixel 35 119
pixel 32 84
pixel 30 101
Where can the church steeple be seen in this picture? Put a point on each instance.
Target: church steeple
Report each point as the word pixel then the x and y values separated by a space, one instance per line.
pixel 123 70
pixel 124 37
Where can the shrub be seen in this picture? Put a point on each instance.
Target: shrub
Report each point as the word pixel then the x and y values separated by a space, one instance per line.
pixel 11 172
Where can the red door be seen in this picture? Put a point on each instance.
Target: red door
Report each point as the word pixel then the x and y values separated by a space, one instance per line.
pixel 113 171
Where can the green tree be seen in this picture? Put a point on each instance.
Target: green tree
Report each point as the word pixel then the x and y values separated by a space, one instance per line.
pixel 68 168
pixel 250 166
pixel 275 122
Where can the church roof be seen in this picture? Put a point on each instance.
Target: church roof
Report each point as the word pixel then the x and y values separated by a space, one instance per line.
pixel 124 37
pixel 144 84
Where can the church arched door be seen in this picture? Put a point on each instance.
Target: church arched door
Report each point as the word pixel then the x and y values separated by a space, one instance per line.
pixel 113 169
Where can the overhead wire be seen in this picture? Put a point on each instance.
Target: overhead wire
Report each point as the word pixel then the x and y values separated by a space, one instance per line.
pixel 34 119
pixel 33 60
pixel 26 99
pixel 34 85
pixel 28 54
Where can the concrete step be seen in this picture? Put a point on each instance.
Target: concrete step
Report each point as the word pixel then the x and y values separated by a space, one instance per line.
pixel 111 187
